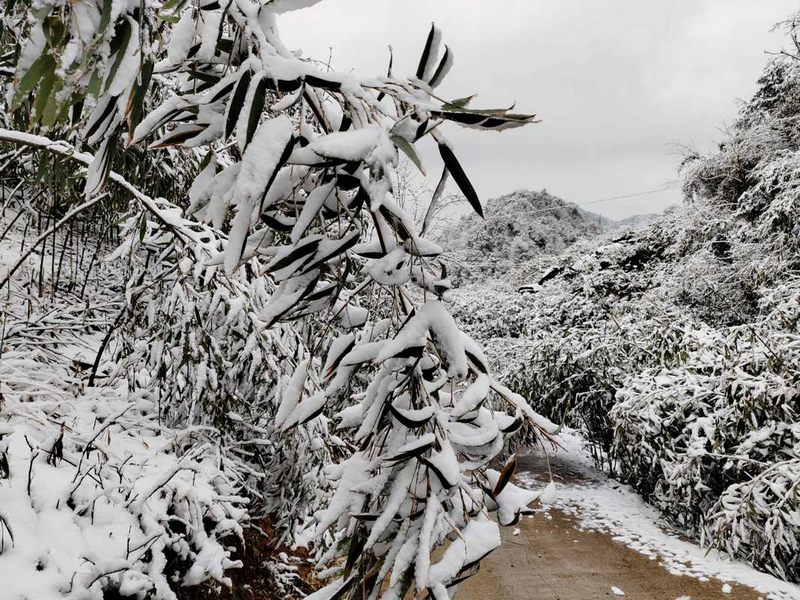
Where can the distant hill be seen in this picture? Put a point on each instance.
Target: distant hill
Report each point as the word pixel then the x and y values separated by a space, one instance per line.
pixel 518 227
pixel 637 220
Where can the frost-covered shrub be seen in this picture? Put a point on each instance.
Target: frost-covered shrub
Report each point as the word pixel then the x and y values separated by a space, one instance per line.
pixel 704 443
pixel 766 125
pixel 579 330
pixel 504 317
pixel 574 377
pixel 715 444
pixel 195 343
pixel 773 203
pixel 96 497
pixel 759 519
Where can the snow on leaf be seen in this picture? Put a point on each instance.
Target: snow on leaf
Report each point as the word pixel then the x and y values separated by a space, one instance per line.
pixel 430 317
pixel 350 145
pixel 292 394
pixel 477 539
pixel 397 497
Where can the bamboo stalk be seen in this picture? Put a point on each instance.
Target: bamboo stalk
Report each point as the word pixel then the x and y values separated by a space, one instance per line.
pixel 75 211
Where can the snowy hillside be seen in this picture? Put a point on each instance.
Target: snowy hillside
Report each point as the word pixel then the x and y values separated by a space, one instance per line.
pixel 517 227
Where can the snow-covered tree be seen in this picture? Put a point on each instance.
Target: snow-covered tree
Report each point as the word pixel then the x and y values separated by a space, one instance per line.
pixel 280 304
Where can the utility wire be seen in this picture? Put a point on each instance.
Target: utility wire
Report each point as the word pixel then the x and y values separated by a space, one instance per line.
pixel 663 189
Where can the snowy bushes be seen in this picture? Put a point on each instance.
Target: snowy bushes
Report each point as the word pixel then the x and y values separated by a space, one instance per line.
pixel 570 342
pixel 505 318
pixel 715 443
pixel 760 519
pixel 85 517
pixel 193 340
pixel 98 498
pixel 574 377
pixel 702 418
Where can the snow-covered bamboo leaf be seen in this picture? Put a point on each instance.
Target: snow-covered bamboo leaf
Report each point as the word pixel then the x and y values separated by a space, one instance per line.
pixel 412 418
pixel 291 255
pixel 135 107
pixel 100 167
pixel 429 53
pixel 443 69
pixel 119 47
pixel 179 135
pixel 330 250
pixel 413 449
pixel 236 101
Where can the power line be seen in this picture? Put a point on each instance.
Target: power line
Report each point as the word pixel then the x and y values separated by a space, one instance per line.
pixel 664 189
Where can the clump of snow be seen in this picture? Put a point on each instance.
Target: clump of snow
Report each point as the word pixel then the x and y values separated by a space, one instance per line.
pixel 549 494
pixel 477 539
pixel 351 145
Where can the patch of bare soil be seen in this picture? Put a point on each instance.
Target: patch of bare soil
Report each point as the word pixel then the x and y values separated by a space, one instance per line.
pixel 264 575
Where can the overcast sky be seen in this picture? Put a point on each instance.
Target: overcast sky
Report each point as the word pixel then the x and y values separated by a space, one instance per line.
pixel 619 85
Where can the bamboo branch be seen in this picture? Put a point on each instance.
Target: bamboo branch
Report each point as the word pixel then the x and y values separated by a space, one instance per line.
pixel 168 214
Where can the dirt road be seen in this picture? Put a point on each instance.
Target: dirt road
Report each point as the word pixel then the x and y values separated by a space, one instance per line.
pixel 551 558
pixel 554 560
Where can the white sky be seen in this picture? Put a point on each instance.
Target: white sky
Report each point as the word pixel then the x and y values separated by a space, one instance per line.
pixel 619 85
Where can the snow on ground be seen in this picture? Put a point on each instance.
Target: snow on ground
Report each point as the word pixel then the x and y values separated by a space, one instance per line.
pixel 603 504
pixel 96 497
